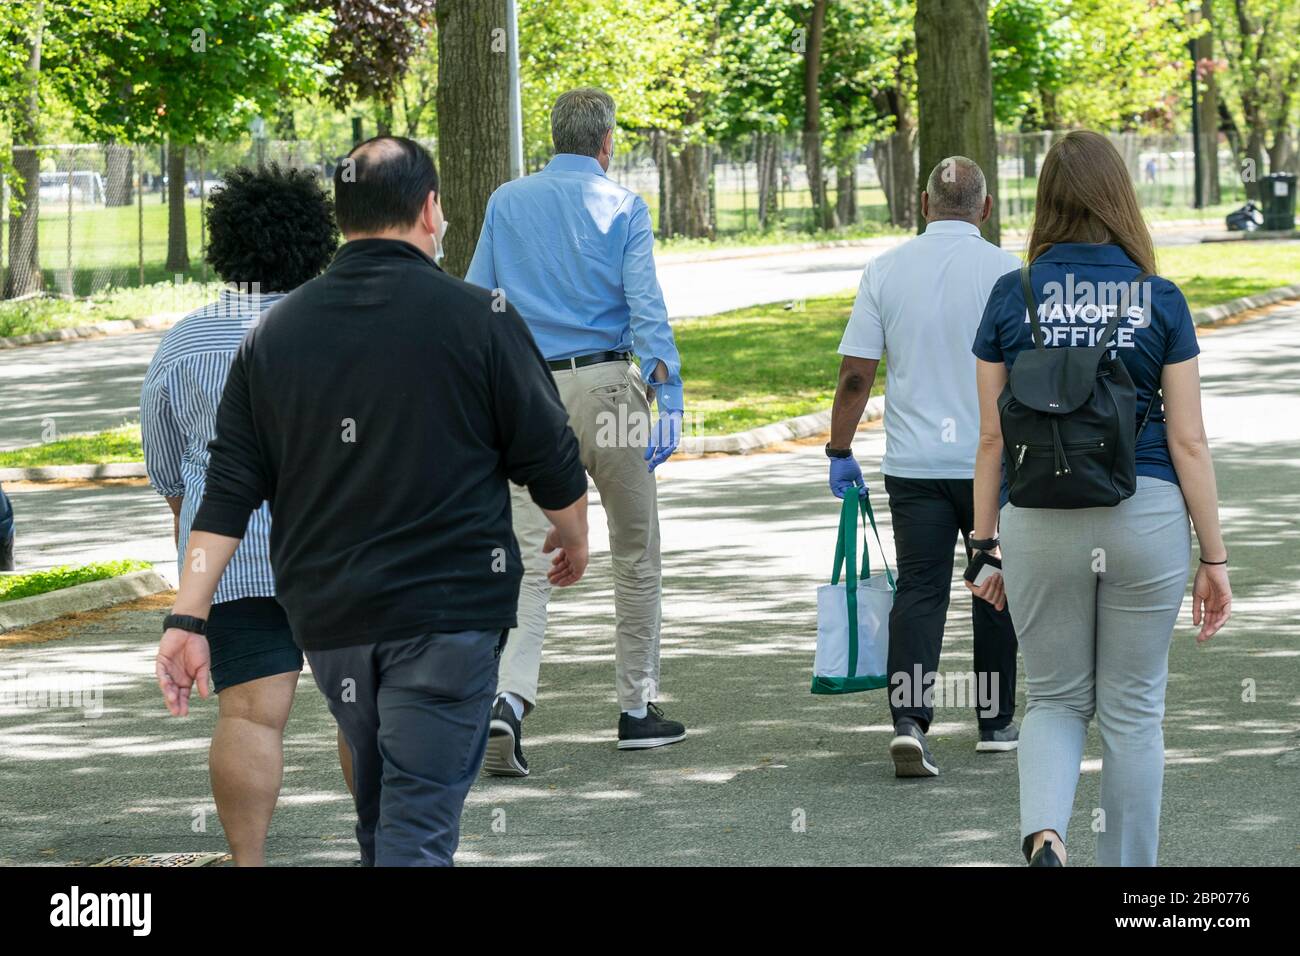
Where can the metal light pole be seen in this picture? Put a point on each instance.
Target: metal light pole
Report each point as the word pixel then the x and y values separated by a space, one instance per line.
pixel 516 100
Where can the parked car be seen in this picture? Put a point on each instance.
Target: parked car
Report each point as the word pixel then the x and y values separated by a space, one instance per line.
pixel 86 186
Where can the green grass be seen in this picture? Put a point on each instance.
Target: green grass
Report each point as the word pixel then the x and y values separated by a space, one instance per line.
pixel 115 445
pixel 1215 272
pixel 759 365
pixel 45 314
pixel 15 586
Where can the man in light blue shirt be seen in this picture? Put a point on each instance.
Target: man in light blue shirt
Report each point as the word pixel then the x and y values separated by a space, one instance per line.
pixel 573 252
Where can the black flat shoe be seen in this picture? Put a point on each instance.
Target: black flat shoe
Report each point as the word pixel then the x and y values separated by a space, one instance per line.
pixel 1045 856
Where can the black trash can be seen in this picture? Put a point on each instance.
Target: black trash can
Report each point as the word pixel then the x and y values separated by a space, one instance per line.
pixel 1277 195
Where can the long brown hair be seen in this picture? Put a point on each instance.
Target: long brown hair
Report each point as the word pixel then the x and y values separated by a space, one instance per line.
pixel 1085 194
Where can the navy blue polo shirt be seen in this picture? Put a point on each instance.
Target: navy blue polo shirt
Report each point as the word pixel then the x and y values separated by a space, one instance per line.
pixel 1078 286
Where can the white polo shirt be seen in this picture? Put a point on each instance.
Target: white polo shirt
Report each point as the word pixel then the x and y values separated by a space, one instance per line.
pixel 920 304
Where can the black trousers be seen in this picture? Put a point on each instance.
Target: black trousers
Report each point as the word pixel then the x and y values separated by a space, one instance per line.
pixel 928 514
pixel 415 713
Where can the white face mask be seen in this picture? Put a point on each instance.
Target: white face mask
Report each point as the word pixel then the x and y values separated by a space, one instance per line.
pixel 438 250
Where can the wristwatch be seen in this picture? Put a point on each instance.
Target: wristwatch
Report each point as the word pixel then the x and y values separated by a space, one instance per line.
pixel 186 622
pixel 983 544
pixel 838 452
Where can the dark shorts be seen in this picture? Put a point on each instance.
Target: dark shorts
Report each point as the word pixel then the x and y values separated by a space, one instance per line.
pixel 249 639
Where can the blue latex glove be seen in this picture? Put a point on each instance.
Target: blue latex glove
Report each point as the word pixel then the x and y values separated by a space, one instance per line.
pixel 845 473
pixel 665 436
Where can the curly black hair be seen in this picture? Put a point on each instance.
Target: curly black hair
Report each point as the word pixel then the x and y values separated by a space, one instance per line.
pixel 270 226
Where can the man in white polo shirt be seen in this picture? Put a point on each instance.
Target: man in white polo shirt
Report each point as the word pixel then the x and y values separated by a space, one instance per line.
pixel 921 303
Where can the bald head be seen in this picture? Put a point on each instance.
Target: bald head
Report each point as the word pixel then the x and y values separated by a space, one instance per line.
pixel 383 184
pixel 956 190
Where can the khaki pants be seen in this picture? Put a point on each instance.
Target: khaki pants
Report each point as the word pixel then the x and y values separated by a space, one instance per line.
pixel 607 405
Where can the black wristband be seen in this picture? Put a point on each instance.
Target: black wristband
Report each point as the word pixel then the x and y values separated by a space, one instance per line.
pixel 838 452
pixel 1203 561
pixel 186 622
pixel 983 544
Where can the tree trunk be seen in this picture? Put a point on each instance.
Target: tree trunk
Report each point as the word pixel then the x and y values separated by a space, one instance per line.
pixel 954 91
pixel 286 127
pixel 119 175
pixel 24 274
pixel 1256 159
pixel 895 159
pixel 768 153
pixel 1208 111
pixel 689 173
pixel 1029 141
pixel 846 179
pixel 473 119
pixel 384 117
pixel 178 253
pixel 665 183
pixel 812 138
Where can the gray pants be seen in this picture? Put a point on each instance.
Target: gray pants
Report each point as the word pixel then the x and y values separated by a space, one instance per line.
pixel 1094 594
pixel 415 716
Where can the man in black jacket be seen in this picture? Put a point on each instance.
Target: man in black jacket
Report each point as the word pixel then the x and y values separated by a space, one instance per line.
pixel 382 409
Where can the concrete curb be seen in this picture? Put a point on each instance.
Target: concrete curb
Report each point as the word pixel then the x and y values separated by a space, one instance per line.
pixel 756 439
pixel 1225 310
pixel 81 597
pixel 121 469
pixel 98 330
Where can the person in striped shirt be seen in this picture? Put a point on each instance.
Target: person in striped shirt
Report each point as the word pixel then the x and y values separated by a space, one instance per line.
pixel 271 230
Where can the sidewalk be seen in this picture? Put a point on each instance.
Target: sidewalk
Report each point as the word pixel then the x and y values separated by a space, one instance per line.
pixel 747 539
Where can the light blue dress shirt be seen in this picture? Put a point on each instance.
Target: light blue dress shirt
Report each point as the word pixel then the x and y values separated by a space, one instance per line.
pixel 574 253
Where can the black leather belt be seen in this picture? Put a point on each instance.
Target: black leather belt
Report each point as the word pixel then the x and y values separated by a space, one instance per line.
pixel 582 361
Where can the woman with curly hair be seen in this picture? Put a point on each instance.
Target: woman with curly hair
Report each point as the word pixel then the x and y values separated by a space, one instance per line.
pixel 271 230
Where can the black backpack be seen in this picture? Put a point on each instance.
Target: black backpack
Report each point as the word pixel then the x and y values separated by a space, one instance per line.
pixel 1067 421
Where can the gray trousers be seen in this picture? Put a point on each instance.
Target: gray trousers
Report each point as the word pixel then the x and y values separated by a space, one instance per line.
pixel 1094 594
pixel 415 716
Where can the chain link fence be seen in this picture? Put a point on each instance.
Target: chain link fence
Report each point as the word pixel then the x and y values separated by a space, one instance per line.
pixel 1162 168
pixel 100 216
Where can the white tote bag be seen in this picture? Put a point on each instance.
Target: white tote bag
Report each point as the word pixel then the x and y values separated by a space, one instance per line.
pixel 853 617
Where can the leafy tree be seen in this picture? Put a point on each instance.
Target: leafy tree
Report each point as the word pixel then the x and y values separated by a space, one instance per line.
pixel 373 42
pixel 189 70
pixel 657 58
pixel 43 44
pixel 1260 86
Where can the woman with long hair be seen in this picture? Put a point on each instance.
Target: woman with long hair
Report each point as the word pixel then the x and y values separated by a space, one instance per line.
pixel 1095 591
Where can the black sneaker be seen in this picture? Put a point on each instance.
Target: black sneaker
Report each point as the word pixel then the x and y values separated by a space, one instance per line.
pixel 652 730
pixel 505 755
pixel 909 751
pixel 7 554
pixel 999 741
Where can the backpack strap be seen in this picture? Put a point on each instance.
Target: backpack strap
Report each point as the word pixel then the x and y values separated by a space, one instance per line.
pixel 1037 334
pixel 1157 396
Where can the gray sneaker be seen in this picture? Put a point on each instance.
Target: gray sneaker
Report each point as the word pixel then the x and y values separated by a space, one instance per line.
pixel 911 755
pixel 999 741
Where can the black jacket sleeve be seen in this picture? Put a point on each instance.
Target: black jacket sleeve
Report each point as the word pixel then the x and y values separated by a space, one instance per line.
pixel 236 483
pixel 538 447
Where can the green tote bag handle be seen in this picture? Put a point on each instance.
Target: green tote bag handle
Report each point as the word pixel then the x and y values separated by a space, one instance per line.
pixel 844 560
